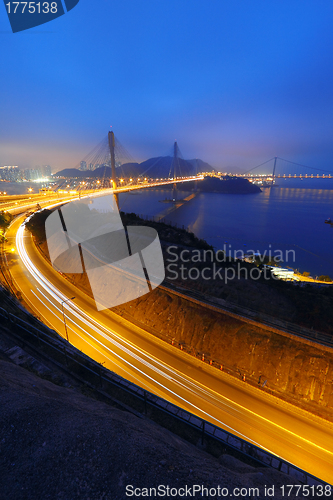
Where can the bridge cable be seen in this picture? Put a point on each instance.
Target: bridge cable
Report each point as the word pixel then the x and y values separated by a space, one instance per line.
pixel 305 166
pixel 261 164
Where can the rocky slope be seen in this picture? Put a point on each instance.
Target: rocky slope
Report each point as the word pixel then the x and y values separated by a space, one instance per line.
pixel 292 367
pixel 57 443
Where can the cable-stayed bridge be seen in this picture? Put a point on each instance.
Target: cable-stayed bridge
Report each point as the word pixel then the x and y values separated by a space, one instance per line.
pixel 171 179
pixel 108 156
pixel 110 152
pixel 111 166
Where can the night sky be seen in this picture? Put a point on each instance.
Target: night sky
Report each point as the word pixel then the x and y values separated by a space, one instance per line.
pixel 235 82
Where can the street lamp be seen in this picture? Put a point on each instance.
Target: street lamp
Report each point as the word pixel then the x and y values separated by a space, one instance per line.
pixel 63 313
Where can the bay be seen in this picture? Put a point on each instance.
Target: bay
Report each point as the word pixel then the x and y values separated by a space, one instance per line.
pixel 12 188
pixel 286 220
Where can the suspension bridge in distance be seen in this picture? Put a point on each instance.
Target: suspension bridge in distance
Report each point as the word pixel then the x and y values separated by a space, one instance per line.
pixel 289 176
pixel 269 178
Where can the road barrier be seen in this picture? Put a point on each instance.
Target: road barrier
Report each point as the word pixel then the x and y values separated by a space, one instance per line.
pixel 52 347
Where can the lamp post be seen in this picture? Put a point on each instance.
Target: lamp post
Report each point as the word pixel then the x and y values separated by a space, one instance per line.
pixel 63 313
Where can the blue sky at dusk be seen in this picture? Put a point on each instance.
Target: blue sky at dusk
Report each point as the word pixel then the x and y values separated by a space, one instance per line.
pixel 235 82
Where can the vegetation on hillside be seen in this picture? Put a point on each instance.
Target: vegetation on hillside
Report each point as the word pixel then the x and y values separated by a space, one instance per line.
pixel 36 225
pixel 5 220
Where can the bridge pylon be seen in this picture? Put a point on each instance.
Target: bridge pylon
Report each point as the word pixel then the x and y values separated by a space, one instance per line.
pixel 273 178
pixel 113 164
pixel 175 158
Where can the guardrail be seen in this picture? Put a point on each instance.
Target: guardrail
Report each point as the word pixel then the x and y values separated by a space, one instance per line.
pixel 96 376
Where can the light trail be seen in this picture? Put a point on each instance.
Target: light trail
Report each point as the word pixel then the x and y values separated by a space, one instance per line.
pixel 59 297
pixel 156 375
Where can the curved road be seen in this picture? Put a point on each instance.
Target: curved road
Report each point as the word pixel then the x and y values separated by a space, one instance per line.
pixel 289 432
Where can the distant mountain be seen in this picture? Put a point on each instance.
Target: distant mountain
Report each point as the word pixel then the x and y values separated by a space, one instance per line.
pixel 70 172
pixel 161 166
pixel 201 166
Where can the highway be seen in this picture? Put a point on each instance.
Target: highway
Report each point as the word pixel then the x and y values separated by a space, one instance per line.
pixel 24 203
pixel 16 204
pixel 289 432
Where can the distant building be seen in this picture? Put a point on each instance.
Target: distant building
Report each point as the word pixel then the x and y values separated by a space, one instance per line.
pixel 37 172
pixel 46 171
pixel 283 274
pixel 15 174
pixel 251 257
pixel 83 165
pixel 91 166
pixel 27 174
pixel 10 173
pixel 32 174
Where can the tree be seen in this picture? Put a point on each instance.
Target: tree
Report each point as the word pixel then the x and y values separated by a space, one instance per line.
pixel 324 277
pixel 36 224
pixel 5 220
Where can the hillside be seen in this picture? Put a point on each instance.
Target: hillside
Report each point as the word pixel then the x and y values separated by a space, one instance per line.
pixel 153 167
pixel 201 166
pixel 63 442
pixel 225 185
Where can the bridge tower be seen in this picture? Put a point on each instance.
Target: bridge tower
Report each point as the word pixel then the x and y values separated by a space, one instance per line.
pixel 175 159
pixel 274 170
pixel 196 173
pixel 113 164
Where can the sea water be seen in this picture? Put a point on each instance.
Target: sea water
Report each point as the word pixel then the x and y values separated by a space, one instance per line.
pixel 287 220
